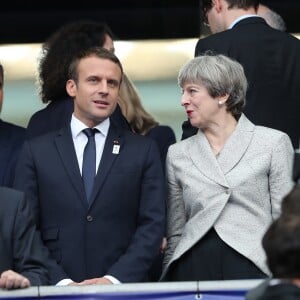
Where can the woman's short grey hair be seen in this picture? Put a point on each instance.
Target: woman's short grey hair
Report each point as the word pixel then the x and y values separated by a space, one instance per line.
pixel 221 76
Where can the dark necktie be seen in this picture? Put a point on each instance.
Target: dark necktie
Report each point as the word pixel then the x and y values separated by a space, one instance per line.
pixel 89 162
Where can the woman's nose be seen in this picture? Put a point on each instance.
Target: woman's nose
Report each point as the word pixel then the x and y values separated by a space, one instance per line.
pixel 184 100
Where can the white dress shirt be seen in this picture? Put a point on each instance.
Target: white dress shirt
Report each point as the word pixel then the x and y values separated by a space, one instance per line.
pixel 80 139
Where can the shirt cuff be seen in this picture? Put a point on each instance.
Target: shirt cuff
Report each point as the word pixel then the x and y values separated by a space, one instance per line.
pixel 64 282
pixel 112 279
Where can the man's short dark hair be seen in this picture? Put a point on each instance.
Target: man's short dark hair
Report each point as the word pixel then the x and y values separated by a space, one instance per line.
pixel 206 5
pixel 281 243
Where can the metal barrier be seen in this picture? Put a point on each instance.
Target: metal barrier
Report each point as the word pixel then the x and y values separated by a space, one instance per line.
pixel 204 290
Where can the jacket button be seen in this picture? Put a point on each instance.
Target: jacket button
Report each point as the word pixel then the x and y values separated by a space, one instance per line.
pixel 89 218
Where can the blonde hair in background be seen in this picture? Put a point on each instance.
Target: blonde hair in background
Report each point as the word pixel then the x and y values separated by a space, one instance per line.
pixel 129 100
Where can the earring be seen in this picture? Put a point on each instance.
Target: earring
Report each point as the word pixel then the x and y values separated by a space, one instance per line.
pixel 221 103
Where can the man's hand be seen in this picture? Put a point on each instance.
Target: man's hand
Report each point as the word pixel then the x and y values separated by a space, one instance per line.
pixel 12 280
pixel 100 280
pixel 163 245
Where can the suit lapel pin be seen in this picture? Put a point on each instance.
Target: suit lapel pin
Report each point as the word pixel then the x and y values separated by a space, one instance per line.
pixel 116 147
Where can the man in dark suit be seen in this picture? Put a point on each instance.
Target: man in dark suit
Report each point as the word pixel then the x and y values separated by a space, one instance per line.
pixel 23 257
pixel 114 234
pixel 270 59
pixel 11 139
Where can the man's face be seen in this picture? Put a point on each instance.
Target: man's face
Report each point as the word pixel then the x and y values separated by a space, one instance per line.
pixel 96 91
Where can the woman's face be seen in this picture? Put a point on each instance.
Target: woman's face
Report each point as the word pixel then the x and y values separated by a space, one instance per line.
pixel 200 107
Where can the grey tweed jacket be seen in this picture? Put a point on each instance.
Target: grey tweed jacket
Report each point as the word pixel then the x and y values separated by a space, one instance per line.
pixel 239 192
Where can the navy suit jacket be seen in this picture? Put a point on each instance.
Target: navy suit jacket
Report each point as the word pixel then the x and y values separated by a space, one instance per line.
pixel 21 247
pixel 11 140
pixel 271 62
pixel 120 232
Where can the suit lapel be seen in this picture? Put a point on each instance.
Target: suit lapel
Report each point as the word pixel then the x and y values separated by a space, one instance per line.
pixel 114 138
pixel 236 145
pixel 66 150
pixel 203 158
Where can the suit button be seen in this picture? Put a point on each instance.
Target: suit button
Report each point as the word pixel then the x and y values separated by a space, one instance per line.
pixel 89 218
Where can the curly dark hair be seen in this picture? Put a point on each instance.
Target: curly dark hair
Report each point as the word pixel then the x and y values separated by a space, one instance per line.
pixel 59 50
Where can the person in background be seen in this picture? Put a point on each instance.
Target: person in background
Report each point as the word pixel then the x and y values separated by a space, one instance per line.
pixel 226 183
pixel 106 228
pixel 11 138
pixel 282 246
pixel 24 260
pixel 291 203
pixel 56 55
pixel 281 243
pixel 270 59
pixel 141 121
pixel 272 18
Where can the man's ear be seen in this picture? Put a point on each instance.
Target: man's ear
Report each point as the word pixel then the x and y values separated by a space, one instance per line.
pixel 71 88
pixel 218 4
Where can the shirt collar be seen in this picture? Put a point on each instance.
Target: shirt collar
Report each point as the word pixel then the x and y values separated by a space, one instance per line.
pixel 77 126
pixel 241 18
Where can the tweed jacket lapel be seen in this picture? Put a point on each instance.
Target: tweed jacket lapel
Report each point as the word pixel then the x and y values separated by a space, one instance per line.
pixel 204 160
pixel 236 145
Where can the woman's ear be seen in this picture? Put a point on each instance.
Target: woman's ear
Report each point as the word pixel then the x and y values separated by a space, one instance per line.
pixel 224 98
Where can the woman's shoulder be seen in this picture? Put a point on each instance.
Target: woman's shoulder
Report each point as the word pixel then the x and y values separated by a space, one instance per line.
pixel 183 145
pixel 263 134
pixel 271 137
pixel 272 133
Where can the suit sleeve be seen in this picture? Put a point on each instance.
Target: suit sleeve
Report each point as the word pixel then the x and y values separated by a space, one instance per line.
pixel 280 178
pixel 135 263
pixel 29 253
pixel 26 181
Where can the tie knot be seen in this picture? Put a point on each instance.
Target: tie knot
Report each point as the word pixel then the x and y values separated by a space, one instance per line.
pixel 89 132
